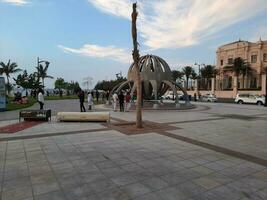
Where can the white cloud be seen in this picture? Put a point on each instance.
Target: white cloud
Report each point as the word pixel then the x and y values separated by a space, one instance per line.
pixel 110 52
pixel 178 23
pixel 120 8
pixel 16 2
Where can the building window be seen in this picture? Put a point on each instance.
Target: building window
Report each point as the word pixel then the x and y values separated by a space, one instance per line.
pixel 253 58
pixel 265 57
pixel 230 61
pixel 221 62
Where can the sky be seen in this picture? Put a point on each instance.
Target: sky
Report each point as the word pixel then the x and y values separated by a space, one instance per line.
pixel 92 38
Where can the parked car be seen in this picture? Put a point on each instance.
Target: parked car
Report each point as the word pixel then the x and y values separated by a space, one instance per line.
pixel 250 99
pixel 209 98
pixel 170 96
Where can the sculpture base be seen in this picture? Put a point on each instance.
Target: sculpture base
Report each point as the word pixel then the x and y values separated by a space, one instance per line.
pixel 155 106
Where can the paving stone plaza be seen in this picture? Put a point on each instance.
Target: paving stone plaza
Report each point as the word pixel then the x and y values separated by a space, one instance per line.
pixel 215 151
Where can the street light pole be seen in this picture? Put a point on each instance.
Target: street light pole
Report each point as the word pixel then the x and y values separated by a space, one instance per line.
pixel 265 104
pixel 38 62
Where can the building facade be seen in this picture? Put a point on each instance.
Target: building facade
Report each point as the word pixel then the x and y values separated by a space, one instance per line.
pixel 251 80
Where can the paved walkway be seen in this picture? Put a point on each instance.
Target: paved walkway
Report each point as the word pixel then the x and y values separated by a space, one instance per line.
pixel 95 161
pixel 54 105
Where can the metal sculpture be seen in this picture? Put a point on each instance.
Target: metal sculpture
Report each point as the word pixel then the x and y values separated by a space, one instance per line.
pixel 156 78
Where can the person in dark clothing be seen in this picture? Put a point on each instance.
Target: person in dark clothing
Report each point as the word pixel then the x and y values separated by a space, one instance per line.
pixel 121 101
pixel 107 95
pixel 81 98
pixel 97 95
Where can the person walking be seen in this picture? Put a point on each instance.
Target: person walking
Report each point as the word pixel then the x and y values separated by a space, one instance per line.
pixel 81 98
pixel 115 101
pixel 97 95
pixel 40 98
pixel 90 100
pixel 121 101
pixel 107 95
pixel 127 101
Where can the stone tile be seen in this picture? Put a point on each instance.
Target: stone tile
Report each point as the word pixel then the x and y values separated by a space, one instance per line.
pixel 155 183
pixel 135 189
pixel 16 183
pixel 173 179
pixel 42 188
pixel 122 180
pixel 57 195
pixel 43 178
pixel 206 183
pixel 77 191
pixel 187 163
pixel 219 178
pixel 101 186
pixel 113 194
pixel 226 193
pixel 202 170
pixel 171 194
pixel 17 193
pixel 113 172
pixel 150 196
pixel 92 177
pixel 190 189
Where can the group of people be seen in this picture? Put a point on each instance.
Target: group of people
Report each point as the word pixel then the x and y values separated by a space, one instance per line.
pixel 19 99
pixel 90 100
pixel 122 100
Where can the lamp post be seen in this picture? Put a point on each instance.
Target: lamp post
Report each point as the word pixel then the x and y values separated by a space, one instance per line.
pixel 198 78
pixel 265 69
pixel 42 61
pixel 38 63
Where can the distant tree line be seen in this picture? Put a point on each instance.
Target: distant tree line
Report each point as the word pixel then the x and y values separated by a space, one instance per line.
pixel 71 87
pixel 25 80
pixel 109 85
pixel 206 73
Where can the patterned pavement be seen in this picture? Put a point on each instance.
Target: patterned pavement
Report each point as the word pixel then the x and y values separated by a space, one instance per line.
pixel 94 161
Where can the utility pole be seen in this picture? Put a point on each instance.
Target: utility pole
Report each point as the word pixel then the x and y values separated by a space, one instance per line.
pixel 136 58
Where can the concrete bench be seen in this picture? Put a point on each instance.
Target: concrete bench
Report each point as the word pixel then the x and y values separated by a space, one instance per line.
pixel 83 116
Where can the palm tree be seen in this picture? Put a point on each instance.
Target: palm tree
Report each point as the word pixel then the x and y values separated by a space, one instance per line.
pixel 136 58
pixel 42 72
pixel 246 71
pixel 194 76
pixel 8 69
pixel 176 74
pixel 187 72
pixel 238 66
pixel 208 72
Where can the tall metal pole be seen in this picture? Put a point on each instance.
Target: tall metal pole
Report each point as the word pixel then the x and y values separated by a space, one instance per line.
pixel 136 58
pixel 265 104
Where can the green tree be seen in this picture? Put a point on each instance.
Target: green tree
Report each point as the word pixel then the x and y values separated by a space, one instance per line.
pixel 60 84
pixel 208 72
pixel 187 70
pixel 238 66
pixel 23 81
pixel 245 71
pixel 109 85
pixel 8 69
pixel 176 74
pixel 42 72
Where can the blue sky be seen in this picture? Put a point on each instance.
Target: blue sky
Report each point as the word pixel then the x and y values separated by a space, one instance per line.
pixel 92 38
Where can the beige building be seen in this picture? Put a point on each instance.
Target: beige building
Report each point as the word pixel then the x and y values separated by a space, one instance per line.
pixel 251 80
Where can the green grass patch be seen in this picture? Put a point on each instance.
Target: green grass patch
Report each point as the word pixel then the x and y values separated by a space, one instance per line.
pixel 60 98
pixel 15 106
